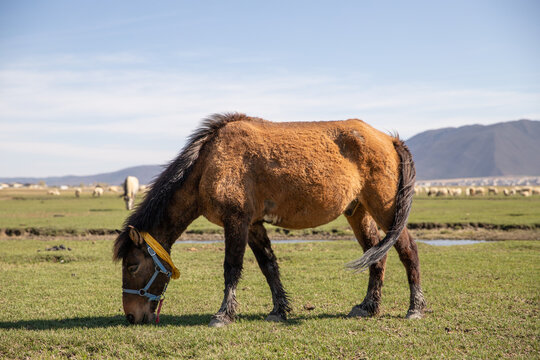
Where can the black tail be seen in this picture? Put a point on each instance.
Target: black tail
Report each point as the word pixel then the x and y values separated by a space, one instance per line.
pixel 403 207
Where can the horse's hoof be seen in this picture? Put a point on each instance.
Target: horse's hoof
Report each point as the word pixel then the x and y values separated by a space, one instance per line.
pixel 358 311
pixel 218 322
pixel 275 318
pixel 414 314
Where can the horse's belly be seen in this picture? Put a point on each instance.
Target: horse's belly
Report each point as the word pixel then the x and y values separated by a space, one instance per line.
pixel 309 220
pixel 289 205
pixel 312 207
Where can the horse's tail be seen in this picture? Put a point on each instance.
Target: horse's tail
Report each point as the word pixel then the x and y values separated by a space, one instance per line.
pixel 403 204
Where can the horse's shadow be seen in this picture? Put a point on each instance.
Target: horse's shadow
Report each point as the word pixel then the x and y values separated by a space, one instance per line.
pixel 171 320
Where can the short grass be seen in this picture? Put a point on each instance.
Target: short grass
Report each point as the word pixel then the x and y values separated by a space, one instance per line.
pixel 56 214
pixel 515 210
pixel 36 209
pixel 483 301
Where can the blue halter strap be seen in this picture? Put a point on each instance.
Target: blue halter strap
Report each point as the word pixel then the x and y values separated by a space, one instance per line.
pixel 159 269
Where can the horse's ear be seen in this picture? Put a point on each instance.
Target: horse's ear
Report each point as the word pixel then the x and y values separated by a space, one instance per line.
pixel 135 236
pixel 121 246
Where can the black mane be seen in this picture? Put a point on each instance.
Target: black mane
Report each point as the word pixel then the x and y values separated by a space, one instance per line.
pixel 151 211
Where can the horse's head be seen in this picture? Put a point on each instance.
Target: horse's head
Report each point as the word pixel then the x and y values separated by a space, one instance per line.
pixel 129 201
pixel 144 276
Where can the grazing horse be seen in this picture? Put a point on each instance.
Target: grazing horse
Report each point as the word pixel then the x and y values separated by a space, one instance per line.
pixel 98 191
pixel 240 172
pixel 131 187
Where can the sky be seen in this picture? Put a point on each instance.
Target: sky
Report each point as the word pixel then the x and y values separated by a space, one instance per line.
pixel 98 86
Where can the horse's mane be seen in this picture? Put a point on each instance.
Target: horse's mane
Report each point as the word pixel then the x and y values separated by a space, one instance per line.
pixel 152 210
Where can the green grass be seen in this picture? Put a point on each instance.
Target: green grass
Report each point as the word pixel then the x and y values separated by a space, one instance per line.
pixel 484 302
pixel 61 212
pixel 490 210
pixel 67 214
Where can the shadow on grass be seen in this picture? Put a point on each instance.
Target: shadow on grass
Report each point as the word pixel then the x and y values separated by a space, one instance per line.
pixel 119 320
pixel 292 320
pixel 101 322
pixel 70 323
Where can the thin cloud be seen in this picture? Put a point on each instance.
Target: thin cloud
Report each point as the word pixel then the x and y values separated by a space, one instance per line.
pixel 70 151
pixel 131 95
pixel 111 112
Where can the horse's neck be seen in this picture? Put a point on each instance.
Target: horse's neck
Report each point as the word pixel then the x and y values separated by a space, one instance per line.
pixel 167 234
pixel 181 211
pixel 181 215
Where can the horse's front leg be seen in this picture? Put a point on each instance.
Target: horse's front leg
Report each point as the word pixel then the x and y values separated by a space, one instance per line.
pixel 260 244
pixel 236 235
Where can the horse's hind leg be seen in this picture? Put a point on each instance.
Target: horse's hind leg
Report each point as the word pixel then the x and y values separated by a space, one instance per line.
pixel 366 233
pixel 260 244
pixel 236 235
pixel 408 254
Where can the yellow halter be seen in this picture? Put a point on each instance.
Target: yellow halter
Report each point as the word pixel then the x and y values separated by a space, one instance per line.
pixel 160 251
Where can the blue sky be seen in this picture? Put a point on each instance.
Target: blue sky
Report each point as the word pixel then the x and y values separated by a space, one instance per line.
pixel 90 87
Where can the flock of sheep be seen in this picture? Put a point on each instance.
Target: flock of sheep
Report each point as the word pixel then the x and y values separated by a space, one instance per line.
pixel 97 191
pixel 131 187
pixel 476 191
pixel 418 190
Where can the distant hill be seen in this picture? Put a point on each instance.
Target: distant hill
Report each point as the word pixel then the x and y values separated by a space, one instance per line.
pixel 145 174
pixel 509 148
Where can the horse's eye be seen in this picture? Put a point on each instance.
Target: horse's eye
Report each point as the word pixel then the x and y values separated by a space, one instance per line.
pixel 133 268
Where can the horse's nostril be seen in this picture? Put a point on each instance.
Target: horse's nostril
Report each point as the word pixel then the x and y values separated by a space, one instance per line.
pixel 130 318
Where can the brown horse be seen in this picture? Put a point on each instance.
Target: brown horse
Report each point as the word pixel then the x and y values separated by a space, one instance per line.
pixel 240 171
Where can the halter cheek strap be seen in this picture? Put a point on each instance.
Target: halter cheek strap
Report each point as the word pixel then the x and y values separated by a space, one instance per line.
pixel 156 251
pixel 158 269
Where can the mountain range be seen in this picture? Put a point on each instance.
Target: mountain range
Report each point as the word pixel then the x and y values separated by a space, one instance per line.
pixel 502 149
pixel 145 174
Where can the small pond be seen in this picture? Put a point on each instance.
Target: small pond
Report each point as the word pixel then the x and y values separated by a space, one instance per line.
pixel 298 241
pixel 286 241
pixel 450 242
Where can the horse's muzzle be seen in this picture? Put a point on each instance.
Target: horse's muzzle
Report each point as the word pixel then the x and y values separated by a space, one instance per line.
pixel 146 318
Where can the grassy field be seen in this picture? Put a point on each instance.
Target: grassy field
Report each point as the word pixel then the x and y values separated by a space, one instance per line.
pixel 484 302
pixel 20 209
pixel 483 299
pixel 496 210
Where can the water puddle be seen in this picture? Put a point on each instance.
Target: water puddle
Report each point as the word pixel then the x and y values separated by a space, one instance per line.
pixel 297 241
pixel 287 241
pixel 437 242
pixel 450 242
pixel 198 241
